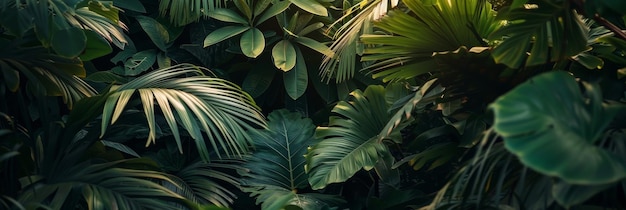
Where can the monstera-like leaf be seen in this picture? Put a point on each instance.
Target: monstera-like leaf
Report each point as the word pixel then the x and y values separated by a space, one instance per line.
pixel 350 142
pixel 276 169
pixel 552 128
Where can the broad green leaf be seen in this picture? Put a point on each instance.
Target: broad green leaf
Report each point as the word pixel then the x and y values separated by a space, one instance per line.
pixel 252 42
pixel 106 9
pixel 310 28
pixel 155 30
pixel 315 45
pixel 243 6
pixel 276 8
pixel 258 80
pixel 227 15
pixel 296 80
pixel 134 5
pixel 140 62
pixel 569 195
pixel 311 6
pixel 350 141
pixel 552 128
pixel 223 33
pixel 284 55
pixel 96 47
pixel 72 48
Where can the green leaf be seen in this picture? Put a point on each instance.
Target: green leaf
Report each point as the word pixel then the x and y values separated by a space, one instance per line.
pixel 140 62
pixel 69 42
pixel 243 6
pixel 296 80
pixel 96 47
pixel 252 42
pixel 198 103
pixel 569 195
pixel 275 9
pixel 120 147
pixel 552 127
pixel 315 45
pixel 227 15
pixel 223 33
pixel 278 160
pixel 350 142
pixel 284 55
pixel 258 80
pixel 155 30
pixel 546 24
pixel 311 6
pixel 133 5
pixel 11 77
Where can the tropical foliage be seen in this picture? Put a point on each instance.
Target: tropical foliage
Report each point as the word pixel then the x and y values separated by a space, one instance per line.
pixel 312 104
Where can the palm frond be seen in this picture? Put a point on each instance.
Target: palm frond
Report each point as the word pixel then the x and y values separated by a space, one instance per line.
pixel 182 12
pixel 207 183
pixel 350 142
pixel 198 103
pixel 111 30
pixel 411 38
pixel 539 32
pixel 49 74
pixel 354 22
pixel 100 186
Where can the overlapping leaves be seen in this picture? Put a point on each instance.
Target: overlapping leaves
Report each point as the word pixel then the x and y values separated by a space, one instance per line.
pixel 350 141
pixel 197 103
pixel 275 170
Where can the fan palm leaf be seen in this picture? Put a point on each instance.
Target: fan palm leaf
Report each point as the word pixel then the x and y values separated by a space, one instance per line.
pixel 406 50
pixel 539 32
pixel 198 103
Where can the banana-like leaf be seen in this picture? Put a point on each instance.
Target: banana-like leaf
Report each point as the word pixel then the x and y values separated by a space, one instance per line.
pixel 537 33
pixel 350 142
pixel 101 186
pixel 198 103
pixel 552 128
pixel 277 164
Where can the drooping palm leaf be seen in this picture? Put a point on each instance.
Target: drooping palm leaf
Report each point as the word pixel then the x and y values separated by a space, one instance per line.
pixel 275 170
pixel 198 103
pixel 203 182
pixel 100 186
pixel 552 128
pixel 538 32
pixel 49 74
pixel 405 52
pixel 350 142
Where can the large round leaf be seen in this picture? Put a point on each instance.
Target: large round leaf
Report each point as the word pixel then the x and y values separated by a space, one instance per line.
pixel 252 42
pixel 284 55
pixel 552 128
